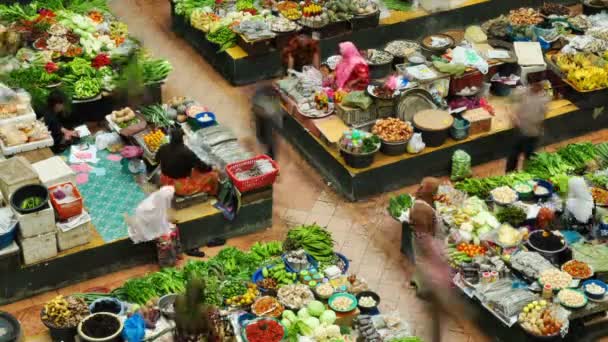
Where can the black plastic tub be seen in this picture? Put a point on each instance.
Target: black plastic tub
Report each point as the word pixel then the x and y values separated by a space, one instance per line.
pixel 11 327
pixel 358 161
pixel 26 191
pixel 434 138
pixel 378 71
pixel 393 148
pixel 60 334
pixel 365 21
pixel 501 89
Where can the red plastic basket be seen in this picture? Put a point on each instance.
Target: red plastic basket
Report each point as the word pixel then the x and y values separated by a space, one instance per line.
pixel 70 209
pixel 244 185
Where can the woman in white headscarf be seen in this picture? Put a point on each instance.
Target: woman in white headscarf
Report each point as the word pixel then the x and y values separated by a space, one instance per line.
pixel 151 220
pixel 580 202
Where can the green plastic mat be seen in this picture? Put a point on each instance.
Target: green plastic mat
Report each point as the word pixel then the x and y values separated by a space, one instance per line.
pixel 109 197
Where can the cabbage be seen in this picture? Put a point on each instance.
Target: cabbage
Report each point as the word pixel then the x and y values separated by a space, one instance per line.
pixel 303 328
pixel 465 236
pixel 328 317
pixel 473 206
pixel 289 315
pixel 484 230
pixel 467 227
pixel 303 313
pixel 286 323
pixel 315 308
pixel 312 322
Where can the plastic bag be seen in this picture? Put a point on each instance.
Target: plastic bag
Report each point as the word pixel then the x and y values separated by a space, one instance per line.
pixel 461 165
pixel 134 328
pixel 415 145
pixel 470 58
pixel 150 220
pixel 357 99
pixel 103 140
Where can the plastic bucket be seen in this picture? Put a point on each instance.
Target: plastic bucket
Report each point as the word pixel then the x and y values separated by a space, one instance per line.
pixel 434 138
pixel 461 132
pixel 358 161
pixel 393 148
pixel 378 71
pixel 7 238
pixel 501 89
pixel 26 191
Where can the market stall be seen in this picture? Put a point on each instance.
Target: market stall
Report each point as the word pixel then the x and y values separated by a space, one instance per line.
pixel 529 244
pixel 77 206
pixel 81 49
pixel 297 289
pixel 423 100
pixel 242 62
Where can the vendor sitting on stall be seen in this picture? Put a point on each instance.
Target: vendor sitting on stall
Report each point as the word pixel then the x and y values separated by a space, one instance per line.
pixel 181 168
pixel 54 114
pixel 579 203
pixel 300 51
pixel 352 72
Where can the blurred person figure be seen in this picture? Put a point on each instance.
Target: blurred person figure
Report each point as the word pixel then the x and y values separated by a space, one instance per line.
pixel 432 276
pixel 352 72
pixel 528 118
pixel 268 114
pixel 300 51
pixel 579 203
pixel 55 116
pixel 183 170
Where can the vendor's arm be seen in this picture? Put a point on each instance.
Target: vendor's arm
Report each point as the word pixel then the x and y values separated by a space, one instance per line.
pixel 290 62
pixel 197 163
pixel 316 60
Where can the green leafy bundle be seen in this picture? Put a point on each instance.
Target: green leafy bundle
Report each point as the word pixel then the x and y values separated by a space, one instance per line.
pixel 370 144
pixel 315 240
pixel 16 12
pixel 512 215
pixel 156 115
pixel 155 70
pixel 398 5
pixel 481 187
pixel 185 7
pixel 398 204
pixel 545 165
pixel 578 155
pixel 224 37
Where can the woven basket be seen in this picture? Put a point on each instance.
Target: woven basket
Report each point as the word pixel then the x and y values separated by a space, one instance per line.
pixel 355 115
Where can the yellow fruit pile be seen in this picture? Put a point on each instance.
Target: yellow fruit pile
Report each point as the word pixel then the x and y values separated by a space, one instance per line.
pixel 311 10
pixel 245 299
pixel 292 14
pixel 154 139
pixel 584 70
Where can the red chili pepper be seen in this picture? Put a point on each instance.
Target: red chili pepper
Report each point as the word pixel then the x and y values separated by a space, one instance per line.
pixel 264 331
pixel 51 67
pixel 43 12
pixel 100 60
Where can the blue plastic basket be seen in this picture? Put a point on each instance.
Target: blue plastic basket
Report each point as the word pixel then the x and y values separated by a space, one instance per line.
pixel 346 262
pixel 204 124
pixel 7 238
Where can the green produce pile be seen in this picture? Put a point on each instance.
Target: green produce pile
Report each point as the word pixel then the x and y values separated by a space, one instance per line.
pixel 602 153
pixel 397 5
pixel 223 36
pixel 545 165
pixel 461 165
pixel 155 70
pixel 86 87
pixel 481 187
pixel 185 7
pixel 233 287
pixel 512 215
pixel 596 255
pixel 156 115
pixel 31 202
pixel 267 250
pixel 279 273
pixel 398 204
pixel 578 155
pixel 242 5
pixel 599 180
pixel 315 240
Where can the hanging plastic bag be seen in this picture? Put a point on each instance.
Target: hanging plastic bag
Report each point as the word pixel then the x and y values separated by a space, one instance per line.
pixel 415 145
pixel 134 328
pixel 150 220
pixel 461 165
pixel 103 140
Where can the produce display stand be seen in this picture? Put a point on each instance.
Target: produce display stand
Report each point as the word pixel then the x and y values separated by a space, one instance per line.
pixel 98 258
pixel 239 68
pixel 387 173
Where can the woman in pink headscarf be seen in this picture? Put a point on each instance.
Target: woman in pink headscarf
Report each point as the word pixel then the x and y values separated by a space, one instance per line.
pixel 352 73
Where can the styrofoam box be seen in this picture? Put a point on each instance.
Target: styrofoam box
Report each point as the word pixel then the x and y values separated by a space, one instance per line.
pixel 38 248
pixel 76 236
pixel 15 173
pixel 28 117
pixel 37 223
pixel 53 171
pixel 9 151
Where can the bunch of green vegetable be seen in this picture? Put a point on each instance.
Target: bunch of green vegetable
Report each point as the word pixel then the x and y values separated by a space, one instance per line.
pixel 155 70
pixel 232 288
pixel 31 202
pixel 242 5
pixel 33 76
pixel 86 87
pixel 397 5
pixel 545 165
pixel 315 240
pixel 156 115
pixel 222 36
pixel 578 155
pixel 16 12
pixel 399 204
pixel 237 263
pixel 512 215
pixel 370 144
pixel 80 67
pixel 602 153
pixel 481 187
pixel 185 7
pixel 597 179
pixel 167 281
pixel 136 290
pixel 461 165
pixel 267 250
pixel 279 273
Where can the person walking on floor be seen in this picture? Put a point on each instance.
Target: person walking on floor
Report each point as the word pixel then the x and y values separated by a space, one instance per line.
pixel 268 116
pixel 528 119
pixel 432 276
